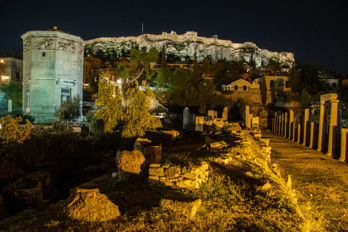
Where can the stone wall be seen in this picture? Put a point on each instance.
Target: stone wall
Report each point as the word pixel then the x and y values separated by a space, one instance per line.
pixel 187 177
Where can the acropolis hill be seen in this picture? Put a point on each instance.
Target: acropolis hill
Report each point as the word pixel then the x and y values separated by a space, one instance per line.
pixel 188 44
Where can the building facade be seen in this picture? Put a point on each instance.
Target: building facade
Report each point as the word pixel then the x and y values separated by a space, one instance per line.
pixel 52 71
pixel 11 69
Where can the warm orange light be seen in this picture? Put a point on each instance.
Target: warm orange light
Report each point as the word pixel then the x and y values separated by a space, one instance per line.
pixel 5 78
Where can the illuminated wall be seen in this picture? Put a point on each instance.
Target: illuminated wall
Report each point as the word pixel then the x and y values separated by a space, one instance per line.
pixel 52 71
pixel 11 69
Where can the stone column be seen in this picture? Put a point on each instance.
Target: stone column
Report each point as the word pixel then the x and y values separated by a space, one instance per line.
pixel 344 143
pixel 291 122
pixel 298 133
pixel 285 125
pixel 305 126
pixel 247 117
pixel 275 123
pixel 225 114
pixel 185 120
pixel 312 135
pixel 281 125
pixel 333 127
pixel 199 124
pixel 321 126
pixel 294 131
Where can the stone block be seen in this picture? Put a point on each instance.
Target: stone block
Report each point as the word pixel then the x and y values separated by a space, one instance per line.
pixel 130 164
pixel 156 172
pixel 88 205
pixel 188 184
pixel 183 208
pixel 76 129
pixel 190 175
pixel 172 171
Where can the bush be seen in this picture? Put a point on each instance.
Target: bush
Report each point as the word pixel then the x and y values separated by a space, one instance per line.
pixel 12 132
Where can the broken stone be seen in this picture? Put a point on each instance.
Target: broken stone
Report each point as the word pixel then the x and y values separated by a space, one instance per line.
pixel 130 164
pixel 156 172
pixel 183 208
pixel 187 184
pixel 155 165
pixel 191 176
pixel 153 179
pixel 266 187
pixel 172 171
pixel 39 177
pixel 28 196
pixel 140 143
pixel 89 205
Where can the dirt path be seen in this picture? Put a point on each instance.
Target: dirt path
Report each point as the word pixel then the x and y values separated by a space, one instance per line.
pixel 321 182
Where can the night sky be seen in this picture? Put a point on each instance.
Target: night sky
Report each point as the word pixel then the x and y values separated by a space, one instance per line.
pixel 312 30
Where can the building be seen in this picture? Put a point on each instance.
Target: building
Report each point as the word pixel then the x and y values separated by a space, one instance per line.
pixel 241 85
pixel 52 71
pixel 280 83
pixel 11 69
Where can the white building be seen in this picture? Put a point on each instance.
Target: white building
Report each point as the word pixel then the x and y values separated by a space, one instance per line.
pixel 52 71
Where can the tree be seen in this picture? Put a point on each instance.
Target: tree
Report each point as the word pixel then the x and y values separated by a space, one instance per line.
pixel 263 91
pixel 69 110
pixel 140 61
pixel 137 118
pixel 109 101
pixel 12 132
pixel 12 91
pixel 163 58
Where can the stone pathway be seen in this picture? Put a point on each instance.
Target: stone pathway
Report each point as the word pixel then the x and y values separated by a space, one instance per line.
pixel 320 181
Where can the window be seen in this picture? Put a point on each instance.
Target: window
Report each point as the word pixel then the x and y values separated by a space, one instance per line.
pixel 26 99
pixel 272 83
pixel 236 87
pixel 17 76
pixel 244 88
pixel 287 85
pixel 65 94
pixel 44 54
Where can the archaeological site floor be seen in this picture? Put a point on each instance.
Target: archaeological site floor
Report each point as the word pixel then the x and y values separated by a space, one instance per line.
pixel 321 182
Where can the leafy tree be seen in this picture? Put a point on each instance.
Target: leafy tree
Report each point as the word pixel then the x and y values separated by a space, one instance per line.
pixel 137 118
pixel 12 91
pixel 163 77
pixel 162 56
pixel 305 75
pixel 69 110
pixel 12 132
pixel 263 91
pixel 140 61
pixel 109 101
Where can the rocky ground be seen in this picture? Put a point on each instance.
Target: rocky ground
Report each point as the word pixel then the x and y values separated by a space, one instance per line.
pixel 221 180
pixel 321 182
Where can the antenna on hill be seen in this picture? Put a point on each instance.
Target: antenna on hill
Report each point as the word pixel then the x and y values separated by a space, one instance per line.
pixel 142 28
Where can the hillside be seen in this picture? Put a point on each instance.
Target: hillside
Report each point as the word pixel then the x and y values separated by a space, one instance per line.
pixel 187 45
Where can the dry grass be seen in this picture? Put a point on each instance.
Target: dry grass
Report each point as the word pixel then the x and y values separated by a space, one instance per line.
pixel 244 195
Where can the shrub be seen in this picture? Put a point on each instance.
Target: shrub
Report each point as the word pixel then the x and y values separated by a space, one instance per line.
pixel 12 132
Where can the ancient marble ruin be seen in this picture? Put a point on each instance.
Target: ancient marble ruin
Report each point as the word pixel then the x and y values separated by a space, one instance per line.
pixel 52 71
pixel 322 134
pixel 189 44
